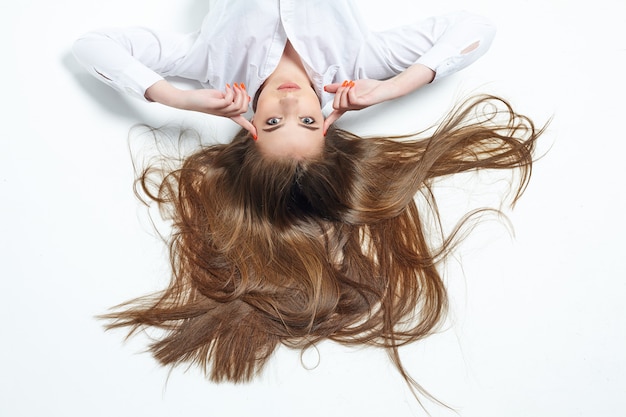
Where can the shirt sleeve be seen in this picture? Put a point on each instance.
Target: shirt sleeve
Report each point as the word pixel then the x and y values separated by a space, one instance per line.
pixel 445 44
pixel 458 40
pixel 131 60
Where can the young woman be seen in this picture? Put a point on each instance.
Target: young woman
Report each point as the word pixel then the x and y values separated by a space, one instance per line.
pixel 296 231
pixel 296 55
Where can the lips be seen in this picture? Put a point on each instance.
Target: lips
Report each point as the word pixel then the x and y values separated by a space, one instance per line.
pixel 289 86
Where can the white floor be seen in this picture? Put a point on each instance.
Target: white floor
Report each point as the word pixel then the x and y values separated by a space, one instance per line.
pixel 538 321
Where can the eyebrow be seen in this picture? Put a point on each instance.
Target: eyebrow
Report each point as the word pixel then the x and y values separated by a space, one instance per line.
pixel 273 128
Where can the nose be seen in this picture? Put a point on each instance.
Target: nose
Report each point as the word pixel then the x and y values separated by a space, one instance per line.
pixel 289 100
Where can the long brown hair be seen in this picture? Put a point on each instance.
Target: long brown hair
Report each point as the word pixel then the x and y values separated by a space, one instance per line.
pixel 267 251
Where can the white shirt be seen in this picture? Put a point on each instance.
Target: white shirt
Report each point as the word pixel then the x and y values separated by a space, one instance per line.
pixel 243 41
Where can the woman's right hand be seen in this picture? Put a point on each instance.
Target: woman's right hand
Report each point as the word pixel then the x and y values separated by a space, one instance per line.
pixel 233 102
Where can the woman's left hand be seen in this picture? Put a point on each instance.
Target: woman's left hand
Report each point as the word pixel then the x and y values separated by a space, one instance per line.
pixel 357 95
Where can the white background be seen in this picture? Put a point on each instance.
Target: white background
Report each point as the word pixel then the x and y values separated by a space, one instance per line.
pixel 538 320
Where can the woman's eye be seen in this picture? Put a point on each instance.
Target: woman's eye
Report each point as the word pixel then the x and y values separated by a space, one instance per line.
pixel 308 120
pixel 273 121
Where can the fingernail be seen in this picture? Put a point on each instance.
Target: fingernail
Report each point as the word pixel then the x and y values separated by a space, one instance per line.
pixel 255 137
pixel 227 85
pixel 351 84
pixel 243 86
pixel 236 85
pixel 345 83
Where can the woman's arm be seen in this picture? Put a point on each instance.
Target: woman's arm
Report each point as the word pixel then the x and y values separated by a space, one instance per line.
pixel 442 45
pixel 136 60
pixel 231 103
pixel 132 59
pixel 359 94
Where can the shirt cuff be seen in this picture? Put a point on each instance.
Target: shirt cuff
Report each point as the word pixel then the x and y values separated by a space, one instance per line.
pixel 443 59
pixel 136 78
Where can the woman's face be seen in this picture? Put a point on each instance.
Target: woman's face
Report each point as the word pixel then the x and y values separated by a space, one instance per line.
pixel 289 119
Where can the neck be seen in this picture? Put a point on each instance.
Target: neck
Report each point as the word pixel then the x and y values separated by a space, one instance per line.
pixel 290 67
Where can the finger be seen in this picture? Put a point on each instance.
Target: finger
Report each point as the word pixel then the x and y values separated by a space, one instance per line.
pixel 342 98
pixel 332 118
pixel 246 124
pixel 345 100
pixel 229 94
pixel 223 101
pixel 233 102
pixel 239 99
pixel 338 93
pixel 353 97
pixel 332 88
pixel 245 98
pixel 340 102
